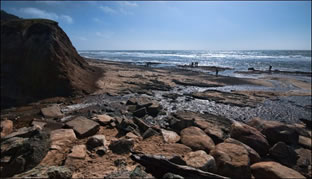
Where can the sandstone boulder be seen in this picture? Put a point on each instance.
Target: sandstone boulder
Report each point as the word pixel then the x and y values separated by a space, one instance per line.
pixel 275 131
pixel 83 127
pixel 254 157
pixel 232 160
pixel 196 139
pixel 201 160
pixel 273 170
pixel 251 137
pixel 59 172
pixel 181 120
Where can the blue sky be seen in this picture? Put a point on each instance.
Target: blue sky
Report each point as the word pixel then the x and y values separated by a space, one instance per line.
pixel 131 25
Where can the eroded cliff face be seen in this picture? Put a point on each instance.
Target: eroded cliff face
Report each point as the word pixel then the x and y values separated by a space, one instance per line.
pixel 38 61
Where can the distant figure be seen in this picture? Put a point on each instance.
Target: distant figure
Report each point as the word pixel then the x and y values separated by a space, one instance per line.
pixel 270 68
pixel 252 69
pixel 192 64
pixel 196 64
pixel 217 71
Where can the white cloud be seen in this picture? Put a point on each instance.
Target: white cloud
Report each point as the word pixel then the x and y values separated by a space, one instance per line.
pixel 38 13
pixel 105 35
pixel 34 12
pixel 127 3
pixel 67 19
pixel 108 10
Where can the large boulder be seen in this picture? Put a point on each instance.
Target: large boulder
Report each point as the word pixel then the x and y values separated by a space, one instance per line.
pixel 251 137
pixel 201 160
pixel 181 120
pixel 23 153
pixel 39 61
pixel 304 162
pixel 275 131
pixel 232 160
pixel 283 154
pixel 61 138
pixel 273 170
pixel 196 139
pixel 254 157
pixel 83 127
pixel 305 142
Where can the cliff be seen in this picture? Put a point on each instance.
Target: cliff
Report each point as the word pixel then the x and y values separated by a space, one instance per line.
pixel 38 61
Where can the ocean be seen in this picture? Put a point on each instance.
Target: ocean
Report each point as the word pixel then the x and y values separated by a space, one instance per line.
pixel 239 60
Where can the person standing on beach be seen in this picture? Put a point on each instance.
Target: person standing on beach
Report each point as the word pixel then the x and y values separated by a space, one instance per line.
pixel 270 68
pixel 217 71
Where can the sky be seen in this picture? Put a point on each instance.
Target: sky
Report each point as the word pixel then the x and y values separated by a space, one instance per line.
pixel 185 25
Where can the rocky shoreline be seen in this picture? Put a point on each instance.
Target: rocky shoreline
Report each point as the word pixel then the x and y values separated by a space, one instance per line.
pixel 123 131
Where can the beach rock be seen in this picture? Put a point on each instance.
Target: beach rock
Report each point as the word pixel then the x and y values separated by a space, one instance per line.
pixel 83 127
pixel 273 170
pixel 59 172
pixel 304 162
pixel 154 109
pixel 140 102
pixel 78 152
pixel 96 141
pixel 305 142
pixel 141 124
pixel 283 154
pixel 46 65
pixel 216 134
pixel 181 120
pixel 170 136
pixel 232 160
pixel 275 131
pixel 25 132
pixel 197 139
pixel 149 133
pixel 6 127
pixel 39 124
pixel 254 157
pixel 140 112
pixel 201 160
pixel 53 111
pixel 25 153
pixel 138 172
pixel 251 137
pixel 104 119
pixel 121 146
pixel 131 135
pixel 60 138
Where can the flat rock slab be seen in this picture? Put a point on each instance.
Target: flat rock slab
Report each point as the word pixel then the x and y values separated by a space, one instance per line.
pixel 104 119
pixel 83 127
pixel 53 111
pixel 61 138
pixel 78 152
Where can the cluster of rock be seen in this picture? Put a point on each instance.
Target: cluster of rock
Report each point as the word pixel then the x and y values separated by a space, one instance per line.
pixel 213 146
